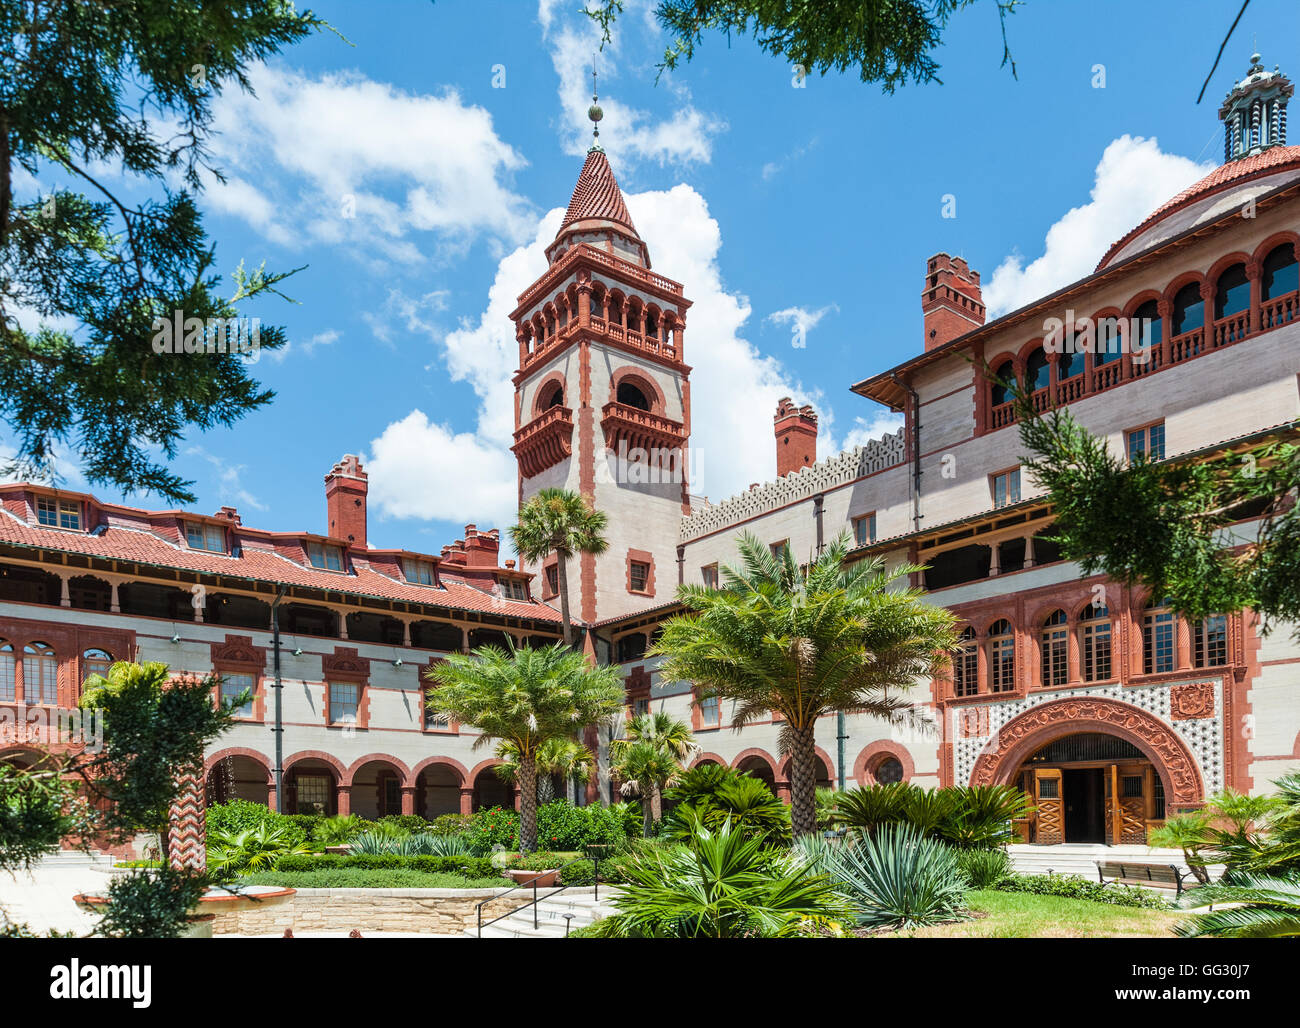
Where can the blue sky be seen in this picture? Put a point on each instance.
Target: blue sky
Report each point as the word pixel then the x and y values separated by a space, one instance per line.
pixel 420 196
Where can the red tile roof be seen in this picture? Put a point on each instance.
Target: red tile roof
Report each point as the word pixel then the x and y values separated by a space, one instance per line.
pixel 258 561
pixel 1233 173
pixel 597 196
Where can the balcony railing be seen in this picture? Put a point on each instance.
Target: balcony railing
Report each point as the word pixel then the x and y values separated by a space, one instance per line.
pixel 544 441
pixel 628 428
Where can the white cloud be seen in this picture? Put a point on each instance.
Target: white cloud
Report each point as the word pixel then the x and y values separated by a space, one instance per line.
pixel 351 161
pixel 866 429
pixel 801 320
pixel 1133 178
pixel 306 349
pixel 229 478
pixel 684 136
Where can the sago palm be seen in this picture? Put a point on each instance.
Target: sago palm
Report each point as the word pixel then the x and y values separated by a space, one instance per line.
pixel 649 758
pixel 566 758
pixel 562 522
pixel 524 697
pixel 1261 908
pixel 806 642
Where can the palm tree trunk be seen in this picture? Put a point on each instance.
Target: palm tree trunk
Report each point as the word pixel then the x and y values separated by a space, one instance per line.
pixel 647 811
pixel 803 780
pixel 656 803
pixel 527 803
pixel 562 580
pixel 545 789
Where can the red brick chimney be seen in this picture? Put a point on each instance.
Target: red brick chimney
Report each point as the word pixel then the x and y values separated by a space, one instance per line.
pixel 796 437
pixel 481 547
pixel 345 500
pixel 950 303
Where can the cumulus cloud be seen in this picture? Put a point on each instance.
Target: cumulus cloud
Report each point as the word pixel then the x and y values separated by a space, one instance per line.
pixel 229 475
pixel 885 422
pixel 801 321
pixel 684 136
pixel 348 160
pixel 1133 178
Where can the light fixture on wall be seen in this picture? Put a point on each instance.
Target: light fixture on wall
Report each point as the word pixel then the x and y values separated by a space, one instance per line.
pixel 176 637
pixel 297 651
pixel 397 662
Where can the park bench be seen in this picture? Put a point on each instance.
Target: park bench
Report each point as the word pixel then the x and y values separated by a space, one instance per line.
pixel 1160 876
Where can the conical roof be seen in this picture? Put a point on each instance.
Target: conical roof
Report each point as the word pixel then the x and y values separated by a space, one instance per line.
pixel 597 197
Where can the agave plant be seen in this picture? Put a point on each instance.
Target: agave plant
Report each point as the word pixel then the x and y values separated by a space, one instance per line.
pixel 897 878
pixel 253 849
pixel 1263 908
pixel 721 885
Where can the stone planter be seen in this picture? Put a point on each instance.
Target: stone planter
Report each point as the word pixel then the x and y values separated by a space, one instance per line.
pixel 217 901
pixel 545 879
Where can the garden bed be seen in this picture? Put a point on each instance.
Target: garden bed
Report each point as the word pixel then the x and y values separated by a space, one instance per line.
pixel 1016 915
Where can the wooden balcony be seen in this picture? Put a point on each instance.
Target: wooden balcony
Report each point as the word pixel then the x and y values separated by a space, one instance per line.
pixel 544 441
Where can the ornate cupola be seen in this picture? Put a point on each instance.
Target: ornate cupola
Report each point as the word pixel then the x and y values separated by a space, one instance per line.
pixel 1254 112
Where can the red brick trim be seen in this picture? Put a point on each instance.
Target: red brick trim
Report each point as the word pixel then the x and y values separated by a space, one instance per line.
pixel 240 751
pixel 874 754
pixel 639 377
pixel 429 762
pixel 377 758
pixel 641 557
pixel 238 656
pixel 543 387
pixel 755 751
pixel 340 772
pixel 1047 722
pixel 345 666
pixel 69 643
pixel 709 758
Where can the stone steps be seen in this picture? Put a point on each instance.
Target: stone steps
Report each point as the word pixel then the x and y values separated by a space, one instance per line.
pixel 583 908
pixel 1081 858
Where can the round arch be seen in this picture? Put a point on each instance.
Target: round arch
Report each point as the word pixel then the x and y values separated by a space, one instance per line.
pixel 449 762
pixel 1047 722
pixel 635 376
pixel 875 754
pixel 377 758
pixel 340 771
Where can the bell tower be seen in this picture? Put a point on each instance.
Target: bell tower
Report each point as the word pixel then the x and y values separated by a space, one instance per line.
pixel 1254 112
pixel 602 395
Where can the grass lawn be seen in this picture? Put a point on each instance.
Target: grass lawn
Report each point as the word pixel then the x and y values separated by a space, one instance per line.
pixel 1019 915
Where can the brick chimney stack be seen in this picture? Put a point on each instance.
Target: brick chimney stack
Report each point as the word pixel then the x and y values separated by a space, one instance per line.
pixel 796 437
pixel 951 304
pixel 345 501
pixel 481 548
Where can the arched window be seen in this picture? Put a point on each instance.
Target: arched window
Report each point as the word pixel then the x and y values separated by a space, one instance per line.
pixel 651 324
pixel 1070 363
pixel 1231 292
pixel 554 397
pixel 631 396
pixel 1158 637
pixel 1107 344
pixel 95 662
pixel 1189 309
pixel 1094 641
pixel 1055 649
pixel 1149 326
pixel 1210 642
pixel 1002 657
pixel 40 674
pixel 965 666
pixel 1281 274
pixel 888 771
pixel 1037 371
pixel 1003 378
pixel 8 682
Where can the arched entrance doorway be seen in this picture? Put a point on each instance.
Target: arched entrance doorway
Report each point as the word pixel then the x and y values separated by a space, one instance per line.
pixel 1096 770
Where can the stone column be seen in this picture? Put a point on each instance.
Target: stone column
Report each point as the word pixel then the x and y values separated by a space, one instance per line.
pixel 187 824
pixel 467 800
pixel 344 801
pixel 1255 274
pixel 408 799
pixel 113 605
pixel 65 597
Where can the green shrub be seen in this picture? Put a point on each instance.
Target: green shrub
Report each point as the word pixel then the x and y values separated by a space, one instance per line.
pixel 710 796
pixel 407 822
pixel 467 867
pixel 966 817
pixel 560 826
pixel 494 826
pixel 578 872
pixel 897 878
pixel 983 869
pixel 449 824
pixel 243 815
pixel 1078 887
pixel 361 878
pixel 542 860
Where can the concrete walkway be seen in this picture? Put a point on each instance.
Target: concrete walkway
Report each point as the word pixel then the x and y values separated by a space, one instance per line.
pixel 42 897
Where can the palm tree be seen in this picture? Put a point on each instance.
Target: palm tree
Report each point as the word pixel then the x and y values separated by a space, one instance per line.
pixel 1261 908
pixel 525 697
pixel 649 758
pixel 567 758
pixel 562 522
pixel 806 642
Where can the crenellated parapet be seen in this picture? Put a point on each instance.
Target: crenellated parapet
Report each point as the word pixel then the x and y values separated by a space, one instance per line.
pixel 845 467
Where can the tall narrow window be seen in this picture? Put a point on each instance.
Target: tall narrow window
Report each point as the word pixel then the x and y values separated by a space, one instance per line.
pixel 1281 274
pixel 638 576
pixel 1148 441
pixel 965 666
pixel 1006 488
pixel 1189 309
pixel 1107 345
pixel 1210 642
pixel 1231 292
pixel 1094 641
pixel 710 575
pixel 1002 657
pixel 1149 326
pixel 1056 649
pixel 1158 637
pixel 1038 371
pixel 8 674
pixel 344 697
pixel 95 662
pixel 232 686
pixel 1003 380
pixel 710 712
pixel 40 674
pixel 864 529
pixel 553 579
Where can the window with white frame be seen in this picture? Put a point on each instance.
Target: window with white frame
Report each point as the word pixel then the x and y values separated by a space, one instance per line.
pixel 40 674
pixel 417 572
pixel 1002 657
pixel 1210 642
pixel 202 536
pixel 344 699
pixel 327 558
pixel 710 712
pixel 1148 441
pixel 1094 642
pixel 1006 488
pixel 231 688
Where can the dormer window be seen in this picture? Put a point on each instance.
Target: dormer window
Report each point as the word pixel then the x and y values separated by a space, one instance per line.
pixel 327 558
pixel 58 513
pixel 513 588
pixel 200 536
pixel 418 572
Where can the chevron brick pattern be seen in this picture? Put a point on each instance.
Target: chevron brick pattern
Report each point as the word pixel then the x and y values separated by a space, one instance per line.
pixel 187 825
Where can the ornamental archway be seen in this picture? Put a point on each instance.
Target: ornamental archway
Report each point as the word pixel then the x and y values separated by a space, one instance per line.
pixel 1016 756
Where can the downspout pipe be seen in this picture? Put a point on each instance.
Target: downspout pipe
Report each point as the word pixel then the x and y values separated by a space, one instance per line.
pixel 278 730
pixel 916 449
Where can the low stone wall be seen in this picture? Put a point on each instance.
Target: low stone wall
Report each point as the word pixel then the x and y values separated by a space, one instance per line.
pixel 430 911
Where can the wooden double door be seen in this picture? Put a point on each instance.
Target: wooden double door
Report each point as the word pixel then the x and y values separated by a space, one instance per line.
pixel 1093 802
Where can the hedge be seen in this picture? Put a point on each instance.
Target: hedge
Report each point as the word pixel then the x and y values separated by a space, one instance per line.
pixel 466 867
pixel 1078 887
pixel 362 878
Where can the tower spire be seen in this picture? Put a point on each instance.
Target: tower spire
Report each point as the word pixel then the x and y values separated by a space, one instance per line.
pixel 1254 111
pixel 594 112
